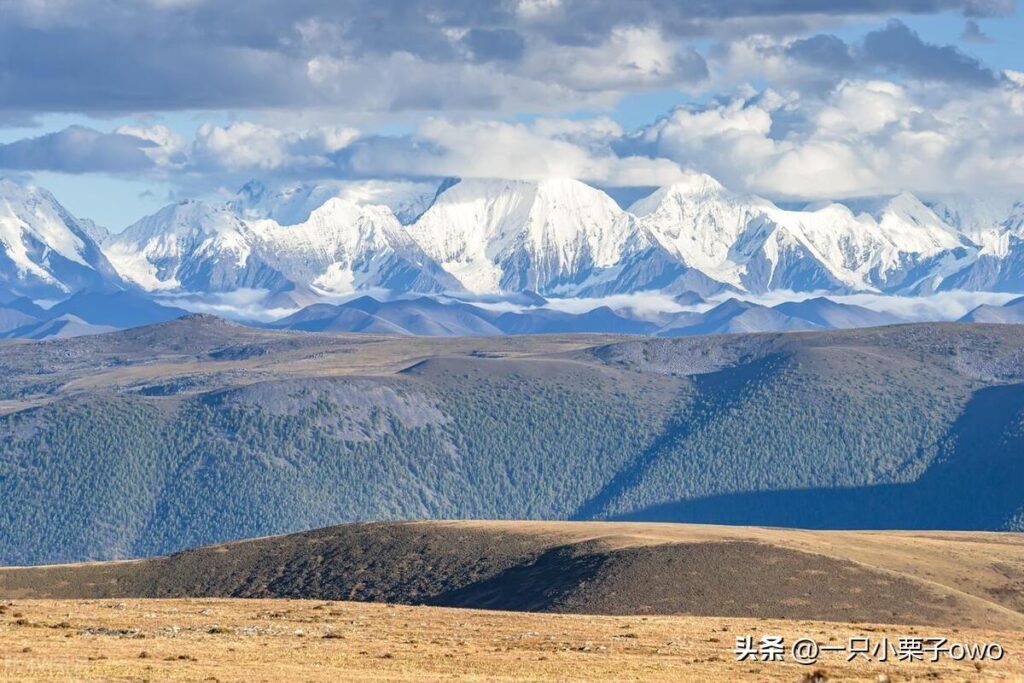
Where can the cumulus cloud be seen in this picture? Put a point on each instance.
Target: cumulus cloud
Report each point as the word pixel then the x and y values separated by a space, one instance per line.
pixel 544 77
pixel 487 45
pixel 78 150
pixel 98 56
pixel 241 304
pixel 226 156
pixel 252 147
pixel 899 49
pixel 385 55
pixel 818 61
pixel 861 138
pixel 489 149
pixel 242 146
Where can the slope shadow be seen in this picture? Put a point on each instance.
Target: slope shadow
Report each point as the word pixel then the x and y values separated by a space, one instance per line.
pixel 532 586
pixel 715 392
pixel 976 483
pixel 727 578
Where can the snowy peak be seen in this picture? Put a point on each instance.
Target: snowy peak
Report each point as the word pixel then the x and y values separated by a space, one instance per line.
pixel 191 245
pixel 695 187
pixel 44 250
pixel 287 206
pixel 344 247
pixel 752 244
pixel 190 218
pixel 563 237
pixel 910 224
pixel 1014 224
pixel 31 213
pixel 581 222
pixel 495 235
pixel 472 226
pixel 339 247
pixel 885 244
pixel 558 237
pixel 989 224
pixel 293 204
pixel 699 222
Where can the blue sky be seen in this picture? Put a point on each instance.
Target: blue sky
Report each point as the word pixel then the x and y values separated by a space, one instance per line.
pixel 120 107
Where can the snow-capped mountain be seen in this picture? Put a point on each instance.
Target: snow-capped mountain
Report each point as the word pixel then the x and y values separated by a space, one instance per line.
pixel 292 204
pixel 340 247
pixel 45 252
pixel 345 247
pixel 192 246
pixel 998 265
pixel 984 221
pixel 558 237
pixel 698 222
pixel 503 235
pixel 752 244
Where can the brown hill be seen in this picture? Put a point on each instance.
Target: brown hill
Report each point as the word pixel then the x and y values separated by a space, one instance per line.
pixel 962 579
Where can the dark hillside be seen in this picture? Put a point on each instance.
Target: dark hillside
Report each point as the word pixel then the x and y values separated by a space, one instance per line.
pixel 552 567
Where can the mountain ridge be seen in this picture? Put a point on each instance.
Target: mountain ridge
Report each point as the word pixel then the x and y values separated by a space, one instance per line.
pixel 286 248
pixel 565 238
pixel 44 250
pixel 561 212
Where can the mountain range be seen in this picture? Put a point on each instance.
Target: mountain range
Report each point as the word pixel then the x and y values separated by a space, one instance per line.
pixel 428 316
pixel 559 238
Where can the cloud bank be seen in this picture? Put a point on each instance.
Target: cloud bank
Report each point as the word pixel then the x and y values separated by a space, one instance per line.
pixel 860 138
pixel 780 104
pixel 396 55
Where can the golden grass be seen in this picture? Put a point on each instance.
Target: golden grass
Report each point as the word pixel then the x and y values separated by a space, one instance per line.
pixel 305 640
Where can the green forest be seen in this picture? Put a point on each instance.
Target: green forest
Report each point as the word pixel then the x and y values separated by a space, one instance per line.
pixel 802 435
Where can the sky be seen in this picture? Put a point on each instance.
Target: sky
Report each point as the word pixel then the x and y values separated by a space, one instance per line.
pixel 121 106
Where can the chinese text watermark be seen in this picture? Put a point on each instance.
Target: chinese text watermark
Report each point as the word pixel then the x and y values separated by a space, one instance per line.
pixel 772 648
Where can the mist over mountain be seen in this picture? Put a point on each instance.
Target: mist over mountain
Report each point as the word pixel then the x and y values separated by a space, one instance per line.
pixel 1012 312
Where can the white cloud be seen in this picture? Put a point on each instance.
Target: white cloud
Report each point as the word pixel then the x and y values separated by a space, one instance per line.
pixel 241 146
pixel 493 149
pixel 530 10
pixel 645 305
pixel 942 306
pixel 547 77
pixel 951 305
pixel 167 146
pixel 864 107
pixel 860 138
pixel 240 304
pixel 249 146
pixel 631 58
pixel 599 131
pixel 358 56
